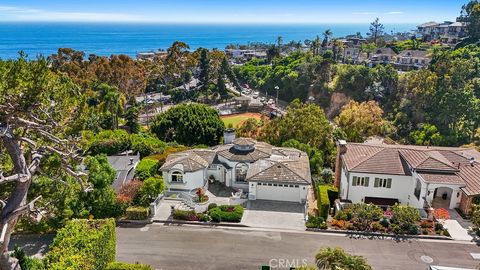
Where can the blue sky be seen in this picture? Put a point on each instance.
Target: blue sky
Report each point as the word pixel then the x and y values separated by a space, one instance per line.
pixel 233 11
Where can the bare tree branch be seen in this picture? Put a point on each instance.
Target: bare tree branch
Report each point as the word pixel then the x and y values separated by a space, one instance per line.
pixel 12 178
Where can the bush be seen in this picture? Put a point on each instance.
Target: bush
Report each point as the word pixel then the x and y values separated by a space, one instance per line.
pixel 26 262
pixel 137 213
pixel 384 222
pixel 316 222
pixel 438 226
pixel 424 231
pixel 405 215
pixel 446 233
pixel 338 223
pixel 228 213
pixel 110 142
pixel 190 215
pixel 150 190
pixel 341 215
pixel 128 266
pixel 146 168
pixel 83 244
pixel 426 224
pixel 129 191
pixel 147 145
pixel 397 229
pixel 212 205
pixel 377 227
pixel 323 199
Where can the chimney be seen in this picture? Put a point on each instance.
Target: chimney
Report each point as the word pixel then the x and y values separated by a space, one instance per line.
pixel 228 135
pixel 341 150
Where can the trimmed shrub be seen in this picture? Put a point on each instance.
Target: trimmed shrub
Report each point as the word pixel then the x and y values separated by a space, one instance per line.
pixel 146 168
pixel 137 213
pixel 128 266
pixel 341 215
pixel 110 142
pixel 212 205
pixel 316 222
pixel 228 213
pixel 323 199
pixel 83 244
pixel 384 222
pixel 147 145
pixel 150 190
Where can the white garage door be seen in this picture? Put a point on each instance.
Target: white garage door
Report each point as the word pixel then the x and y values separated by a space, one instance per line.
pixel 278 192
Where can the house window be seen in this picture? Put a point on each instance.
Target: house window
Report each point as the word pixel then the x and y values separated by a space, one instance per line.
pixel 383 183
pixel 177 177
pixel 418 189
pixel 360 181
pixel 241 172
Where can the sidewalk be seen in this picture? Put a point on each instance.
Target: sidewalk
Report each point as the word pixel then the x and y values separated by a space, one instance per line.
pixel 456 231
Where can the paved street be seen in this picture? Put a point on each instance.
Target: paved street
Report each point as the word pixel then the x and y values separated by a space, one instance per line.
pixel 190 247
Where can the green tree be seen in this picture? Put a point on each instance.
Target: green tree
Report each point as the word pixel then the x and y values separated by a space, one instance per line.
pixel 426 135
pixel 101 200
pixel 150 190
pixel 364 214
pixel 189 124
pixel 131 119
pixel 204 67
pixel 376 30
pixel 471 16
pixel 327 34
pixel 36 111
pixel 337 259
pixel 361 120
pixel 475 217
pixel 405 215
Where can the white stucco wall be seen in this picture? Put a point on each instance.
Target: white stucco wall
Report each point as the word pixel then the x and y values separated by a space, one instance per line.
pixel 191 180
pixel 230 177
pixel 400 189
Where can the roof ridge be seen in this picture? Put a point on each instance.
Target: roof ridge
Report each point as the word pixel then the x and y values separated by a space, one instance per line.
pixel 436 159
pixel 273 163
pixel 285 166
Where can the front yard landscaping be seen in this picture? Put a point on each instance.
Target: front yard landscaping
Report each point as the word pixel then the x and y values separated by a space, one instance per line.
pixel 222 213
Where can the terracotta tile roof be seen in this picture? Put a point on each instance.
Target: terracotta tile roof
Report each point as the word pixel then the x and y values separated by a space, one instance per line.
pixel 442 178
pixel 452 165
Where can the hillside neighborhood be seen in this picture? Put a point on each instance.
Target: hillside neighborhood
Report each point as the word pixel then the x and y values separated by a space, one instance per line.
pixel 344 153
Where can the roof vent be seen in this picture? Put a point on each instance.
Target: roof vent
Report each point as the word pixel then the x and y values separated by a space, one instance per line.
pixel 472 161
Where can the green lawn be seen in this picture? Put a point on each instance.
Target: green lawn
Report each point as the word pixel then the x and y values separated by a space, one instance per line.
pixel 234 120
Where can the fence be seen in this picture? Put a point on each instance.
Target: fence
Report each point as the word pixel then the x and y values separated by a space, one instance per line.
pixel 154 205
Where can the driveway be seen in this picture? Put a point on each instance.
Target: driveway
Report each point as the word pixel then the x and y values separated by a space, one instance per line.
pixel 274 214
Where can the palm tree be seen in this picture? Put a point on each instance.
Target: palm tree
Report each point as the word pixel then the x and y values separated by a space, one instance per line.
pixel 111 101
pixel 337 259
pixel 326 36
pixel 316 45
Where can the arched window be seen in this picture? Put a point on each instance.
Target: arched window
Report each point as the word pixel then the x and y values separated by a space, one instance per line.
pixel 418 189
pixel 241 172
pixel 177 177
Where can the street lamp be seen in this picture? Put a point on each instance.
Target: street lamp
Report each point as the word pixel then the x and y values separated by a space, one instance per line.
pixel 276 102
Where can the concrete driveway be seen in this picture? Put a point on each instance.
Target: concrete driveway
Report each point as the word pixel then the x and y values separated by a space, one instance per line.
pixel 274 214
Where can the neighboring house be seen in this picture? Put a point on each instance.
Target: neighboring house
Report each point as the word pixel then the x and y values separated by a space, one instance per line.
pixel 351 49
pixel 125 168
pixel 412 59
pixel 447 32
pixel 382 56
pixel 264 171
pixel 420 176
pixel 246 54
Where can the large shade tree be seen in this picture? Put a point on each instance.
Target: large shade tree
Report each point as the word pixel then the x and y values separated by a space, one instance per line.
pixel 36 109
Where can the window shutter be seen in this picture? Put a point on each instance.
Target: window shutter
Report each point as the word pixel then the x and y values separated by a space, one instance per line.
pixel 354 181
pixel 366 181
pixel 375 184
pixel 389 182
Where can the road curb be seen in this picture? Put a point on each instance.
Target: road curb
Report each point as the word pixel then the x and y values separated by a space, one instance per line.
pixel 435 237
pixel 180 222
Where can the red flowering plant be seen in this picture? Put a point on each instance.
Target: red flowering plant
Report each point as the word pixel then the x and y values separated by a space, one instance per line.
pixel 388 213
pixel 441 213
pixel 129 191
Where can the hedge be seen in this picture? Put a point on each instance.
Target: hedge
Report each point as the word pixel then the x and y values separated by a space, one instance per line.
pixel 228 213
pixel 146 168
pixel 128 266
pixel 137 213
pixel 83 244
pixel 325 196
pixel 189 215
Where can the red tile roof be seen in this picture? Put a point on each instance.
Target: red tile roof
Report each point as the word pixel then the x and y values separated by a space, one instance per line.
pixel 449 165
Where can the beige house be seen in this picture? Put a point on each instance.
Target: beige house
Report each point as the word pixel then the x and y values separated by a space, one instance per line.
pixel 412 59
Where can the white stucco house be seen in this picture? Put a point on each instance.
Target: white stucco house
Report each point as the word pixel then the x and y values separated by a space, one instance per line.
pixel 420 176
pixel 259 169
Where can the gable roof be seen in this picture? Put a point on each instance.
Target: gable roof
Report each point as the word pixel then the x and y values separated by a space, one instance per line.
pixel 450 165
pixel 280 169
pixel 190 160
pixel 414 53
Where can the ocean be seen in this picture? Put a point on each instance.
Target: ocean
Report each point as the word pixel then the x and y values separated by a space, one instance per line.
pixel 117 38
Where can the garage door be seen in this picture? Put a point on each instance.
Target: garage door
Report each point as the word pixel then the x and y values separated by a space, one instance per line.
pixel 278 192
